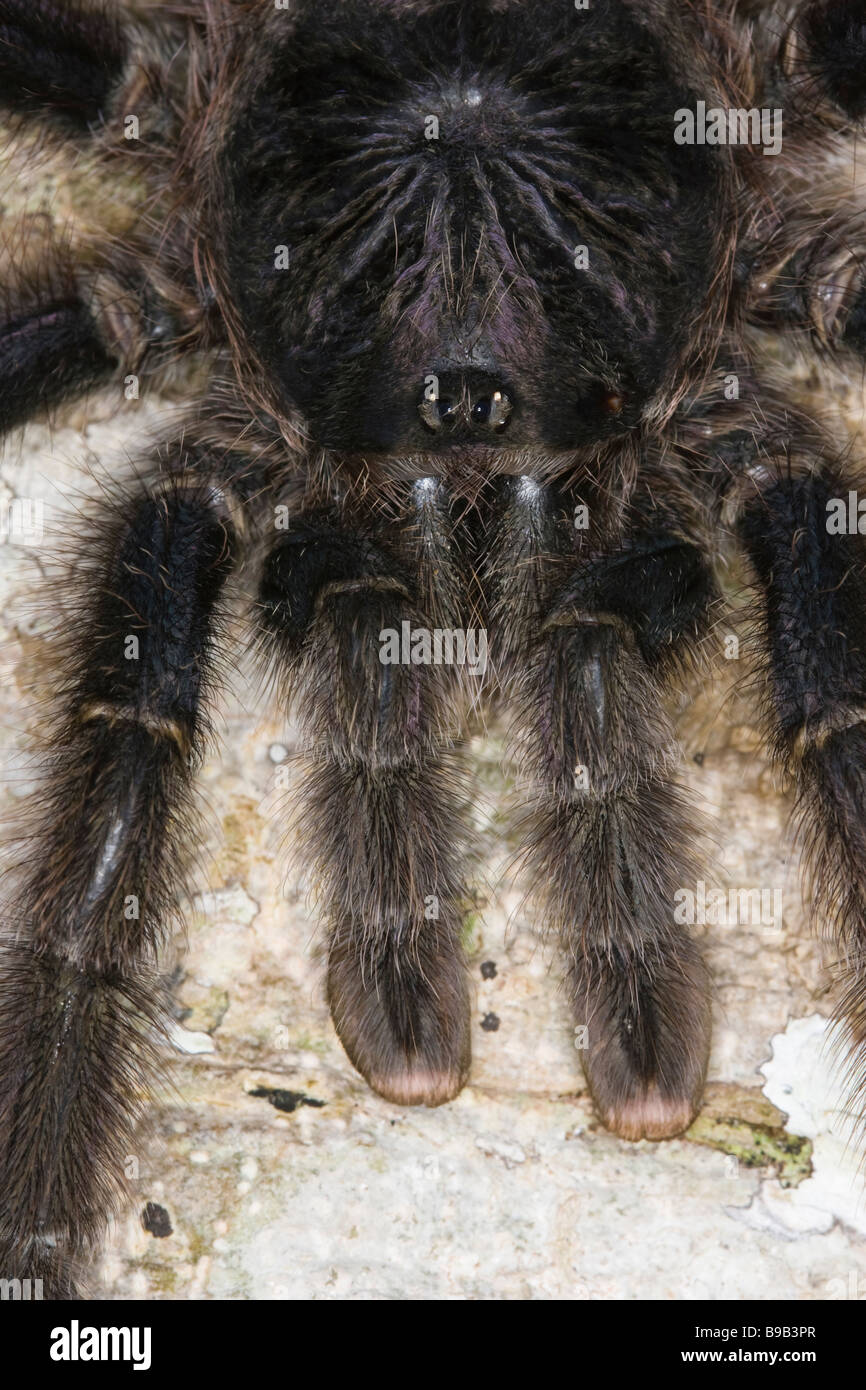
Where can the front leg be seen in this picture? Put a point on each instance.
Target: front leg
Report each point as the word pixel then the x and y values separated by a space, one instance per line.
pixel 381 807
pixel 809 280
pixel 71 317
pixel 60 60
pixel 809 560
pixel 610 836
pixel 51 344
pixel 79 1001
pixel 823 54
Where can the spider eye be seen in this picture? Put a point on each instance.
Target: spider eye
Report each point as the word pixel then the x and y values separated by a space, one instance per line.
pixel 603 401
pixel 488 413
pixel 441 411
pixel 492 411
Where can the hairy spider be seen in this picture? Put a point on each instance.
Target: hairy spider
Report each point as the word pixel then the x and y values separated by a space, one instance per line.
pixel 481 287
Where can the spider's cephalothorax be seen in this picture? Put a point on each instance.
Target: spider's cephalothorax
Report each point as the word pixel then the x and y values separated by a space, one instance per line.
pixel 474 279
pixel 440 194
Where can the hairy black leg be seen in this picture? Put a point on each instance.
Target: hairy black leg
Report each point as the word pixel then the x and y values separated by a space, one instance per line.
pixel 826 52
pixel 809 561
pixel 66 327
pixel 811 281
pixel 807 263
pixel 79 1003
pixel 380 812
pixel 49 350
pixel 60 60
pixel 609 835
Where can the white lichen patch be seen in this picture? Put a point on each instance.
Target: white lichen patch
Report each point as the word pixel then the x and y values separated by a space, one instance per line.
pixel 805 1078
pixel 191 1043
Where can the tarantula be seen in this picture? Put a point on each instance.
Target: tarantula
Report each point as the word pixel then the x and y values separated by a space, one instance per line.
pixel 481 286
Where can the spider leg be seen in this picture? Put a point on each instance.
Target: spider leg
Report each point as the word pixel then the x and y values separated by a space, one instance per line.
pixel 51 347
pixel 70 316
pixel 810 566
pixel 609 835
pixel 809 279
pixel 59 60
pixel 380 812
pixel 824 55
pixel 79 999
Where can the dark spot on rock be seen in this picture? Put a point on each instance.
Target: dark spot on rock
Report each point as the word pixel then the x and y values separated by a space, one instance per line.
pixel 490 1023
pixel 156 1220
pixel 286 1100
pixel 699 759
pixel 488 970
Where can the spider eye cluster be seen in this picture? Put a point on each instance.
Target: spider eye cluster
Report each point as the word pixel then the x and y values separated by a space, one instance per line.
pixel 492 411
pixel 433 211
pixel 487 411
